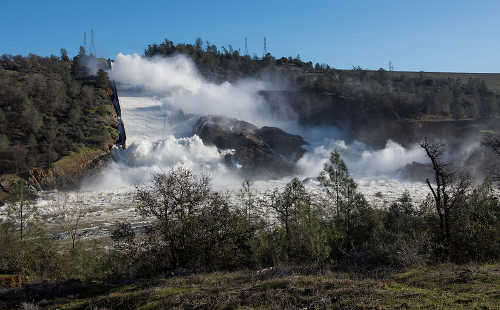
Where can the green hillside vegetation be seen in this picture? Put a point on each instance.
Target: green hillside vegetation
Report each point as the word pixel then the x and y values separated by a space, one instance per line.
pixel 50 109
pixel 370 94
pixel 445 286
pixel 287 249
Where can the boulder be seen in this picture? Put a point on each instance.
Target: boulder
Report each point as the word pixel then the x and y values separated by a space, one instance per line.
pixel 417 172
pixel 266 152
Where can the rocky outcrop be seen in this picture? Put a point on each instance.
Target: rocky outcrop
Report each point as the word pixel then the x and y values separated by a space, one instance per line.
pixel 64 173
pixel 374 129
pixel 67 172
pixel 266 152
pixel 417 172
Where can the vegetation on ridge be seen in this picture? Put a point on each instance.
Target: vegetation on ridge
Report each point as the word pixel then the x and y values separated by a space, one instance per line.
pixel 368 94
pixel 48 109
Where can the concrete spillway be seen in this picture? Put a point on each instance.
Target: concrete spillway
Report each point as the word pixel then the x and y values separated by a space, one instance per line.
pixel 121 127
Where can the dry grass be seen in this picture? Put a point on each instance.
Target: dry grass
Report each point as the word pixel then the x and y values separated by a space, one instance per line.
pixel 441 287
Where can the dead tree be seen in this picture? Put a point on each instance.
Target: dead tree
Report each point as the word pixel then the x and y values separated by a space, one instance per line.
pixel 69 215
pixel 442 178
pixel 449 191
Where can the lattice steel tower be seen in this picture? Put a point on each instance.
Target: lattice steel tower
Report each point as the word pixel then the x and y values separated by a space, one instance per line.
pixel 265 48
pixel 85 41
pixel 92 45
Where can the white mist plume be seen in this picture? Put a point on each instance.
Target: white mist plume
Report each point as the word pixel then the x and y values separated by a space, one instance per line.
pixel 158 142
pixel 157 75
pixel 135 165
pixel 178 83
pixel 360 159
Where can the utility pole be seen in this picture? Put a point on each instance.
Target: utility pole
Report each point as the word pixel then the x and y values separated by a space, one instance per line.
pixel 246 47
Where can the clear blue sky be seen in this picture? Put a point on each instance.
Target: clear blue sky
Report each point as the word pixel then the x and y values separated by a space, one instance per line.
pixel 444 35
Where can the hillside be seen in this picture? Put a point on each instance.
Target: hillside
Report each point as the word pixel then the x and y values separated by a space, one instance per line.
pixel 55 120
pixel 441 287
pixel 355 95
pixel 492 80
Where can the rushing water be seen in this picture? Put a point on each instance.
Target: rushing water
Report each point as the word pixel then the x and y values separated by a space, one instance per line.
pixel 159 125
pixel 159 138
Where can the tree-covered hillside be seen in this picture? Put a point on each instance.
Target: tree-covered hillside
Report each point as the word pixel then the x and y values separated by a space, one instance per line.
pixel 369 94
pixel 48 109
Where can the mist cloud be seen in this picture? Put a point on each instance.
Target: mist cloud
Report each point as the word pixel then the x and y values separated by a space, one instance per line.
pixel 178 83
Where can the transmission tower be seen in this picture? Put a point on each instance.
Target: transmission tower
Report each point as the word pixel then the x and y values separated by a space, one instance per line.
pixel 265 48
pixel 92 45
pixel 85 40
pixel 246 46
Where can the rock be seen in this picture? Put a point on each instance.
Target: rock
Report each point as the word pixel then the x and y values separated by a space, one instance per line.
pixel 266 152
pixel 417 172
pixel 282 142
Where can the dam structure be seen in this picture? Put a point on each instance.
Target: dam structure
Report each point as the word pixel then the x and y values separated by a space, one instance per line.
pixel 121 127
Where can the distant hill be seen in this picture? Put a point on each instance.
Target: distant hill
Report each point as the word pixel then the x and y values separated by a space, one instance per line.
pixel 363 94
pixel 374 105
pixel 492 80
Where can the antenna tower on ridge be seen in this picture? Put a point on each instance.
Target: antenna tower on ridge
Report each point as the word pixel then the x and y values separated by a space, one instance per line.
pixel 265 48
pixel 92 45
pixel 85 40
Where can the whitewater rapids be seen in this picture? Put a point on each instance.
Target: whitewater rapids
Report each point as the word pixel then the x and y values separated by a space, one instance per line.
pixel 162 98
pixel 159 139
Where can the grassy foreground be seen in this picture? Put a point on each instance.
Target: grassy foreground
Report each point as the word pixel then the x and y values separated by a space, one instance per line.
pixel 440 287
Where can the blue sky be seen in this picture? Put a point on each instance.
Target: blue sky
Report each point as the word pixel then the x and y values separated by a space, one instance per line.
pixel 445 35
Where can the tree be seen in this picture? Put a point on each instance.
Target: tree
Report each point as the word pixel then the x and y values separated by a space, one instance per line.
pixel 301 223
pixel 475 234
pixel 457 110
pixel 335 179
pixel 248 199
pixel 64 54
pixel 3 120
pixel 21 210
pixel 488 105
pixel 398 218
pixel 198 44
pixel 81 52
pixel 441 177
pixel 287 203
pixel 69 215
pixel 4 142
pixel 196 227
pixel 449 191
pixel 102 79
